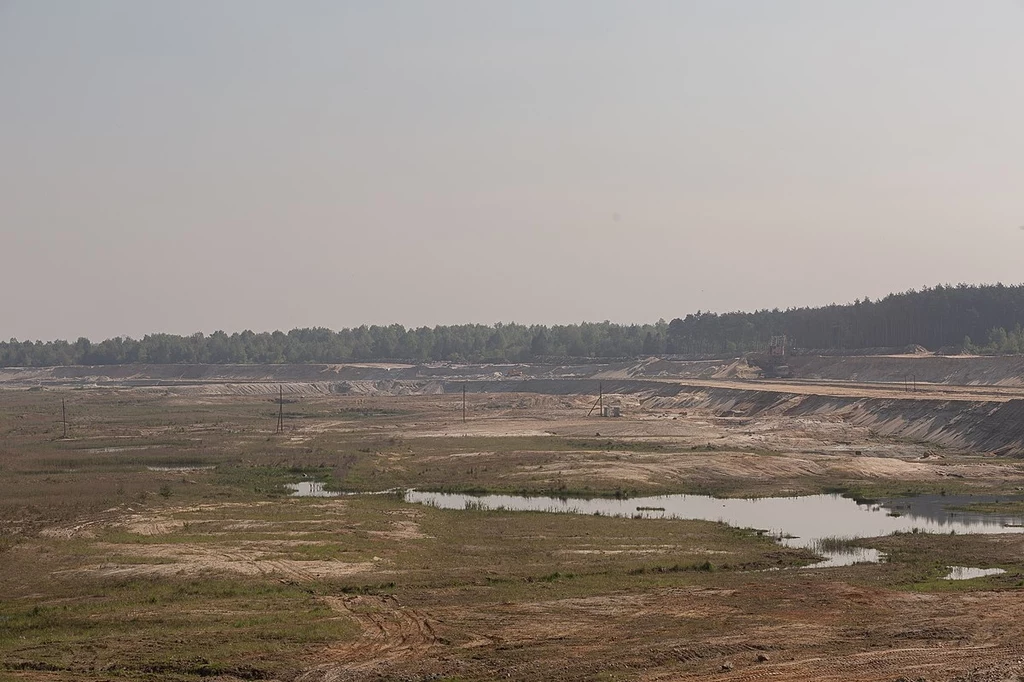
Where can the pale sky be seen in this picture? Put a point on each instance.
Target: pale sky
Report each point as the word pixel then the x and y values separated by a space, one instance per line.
pixel 195 165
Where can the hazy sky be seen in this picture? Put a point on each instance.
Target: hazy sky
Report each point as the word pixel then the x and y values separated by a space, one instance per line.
pixel 194 165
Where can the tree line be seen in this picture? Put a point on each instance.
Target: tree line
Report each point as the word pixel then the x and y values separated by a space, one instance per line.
pixel 950 318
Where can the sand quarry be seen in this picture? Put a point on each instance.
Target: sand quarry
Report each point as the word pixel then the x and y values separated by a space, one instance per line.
pixel 166 507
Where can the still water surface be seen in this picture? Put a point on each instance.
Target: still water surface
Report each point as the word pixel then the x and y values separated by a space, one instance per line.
pixel 968 573
pixel 795 521
pixel 310 489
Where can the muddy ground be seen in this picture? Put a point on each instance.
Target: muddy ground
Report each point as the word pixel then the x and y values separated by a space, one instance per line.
pixel 157 540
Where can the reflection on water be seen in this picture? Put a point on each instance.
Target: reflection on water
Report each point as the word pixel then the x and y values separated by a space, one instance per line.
pixel 847 556
pixel 816 522
pixel 315 489
pixel 966 572
pixel 310 489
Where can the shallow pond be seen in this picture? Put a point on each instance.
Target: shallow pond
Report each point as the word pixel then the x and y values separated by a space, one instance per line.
pixel 316 489
pixel 968 573
pixel 310 489
pixel 185 469
pixel 817 522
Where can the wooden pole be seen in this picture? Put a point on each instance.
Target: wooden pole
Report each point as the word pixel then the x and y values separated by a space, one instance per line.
pixel 600 389
pixel 64 415
pixel 280 411
pixel 463 403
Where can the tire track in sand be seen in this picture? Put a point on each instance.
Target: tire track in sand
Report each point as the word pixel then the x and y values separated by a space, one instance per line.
pixel 899 663
pixel 391 632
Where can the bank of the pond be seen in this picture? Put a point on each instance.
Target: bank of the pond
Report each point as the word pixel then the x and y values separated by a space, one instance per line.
pixel 822 523
pixel 826 524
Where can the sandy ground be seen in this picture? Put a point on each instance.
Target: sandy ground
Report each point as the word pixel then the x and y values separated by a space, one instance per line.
pixel 797 628
pixel 855 623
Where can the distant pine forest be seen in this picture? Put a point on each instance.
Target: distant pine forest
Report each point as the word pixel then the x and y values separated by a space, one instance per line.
pixel 964 318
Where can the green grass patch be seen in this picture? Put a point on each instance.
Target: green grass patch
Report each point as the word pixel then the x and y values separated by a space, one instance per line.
pixel 835 544
pixel 1007 508
pixel 243 627
pixel 872 493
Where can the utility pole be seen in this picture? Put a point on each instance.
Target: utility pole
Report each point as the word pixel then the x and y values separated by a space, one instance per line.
pixel 599 401
pixel 64 415
pixel 463 402
pixel 280 411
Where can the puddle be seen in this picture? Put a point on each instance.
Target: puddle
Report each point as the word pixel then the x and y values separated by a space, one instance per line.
pixel 968 573
pixel 311 489
pixel 314 489
pixel 203 468
pixel 816 522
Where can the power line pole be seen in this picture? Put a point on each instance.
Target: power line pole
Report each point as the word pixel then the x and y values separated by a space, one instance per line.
pixel 280 411
pixel 598 402
pixel 463 402
pixel 64 415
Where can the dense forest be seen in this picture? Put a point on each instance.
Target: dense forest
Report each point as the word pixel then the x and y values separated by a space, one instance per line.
pixel 985 319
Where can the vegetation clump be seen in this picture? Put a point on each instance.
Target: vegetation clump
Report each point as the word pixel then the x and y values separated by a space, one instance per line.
pixel 975 319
